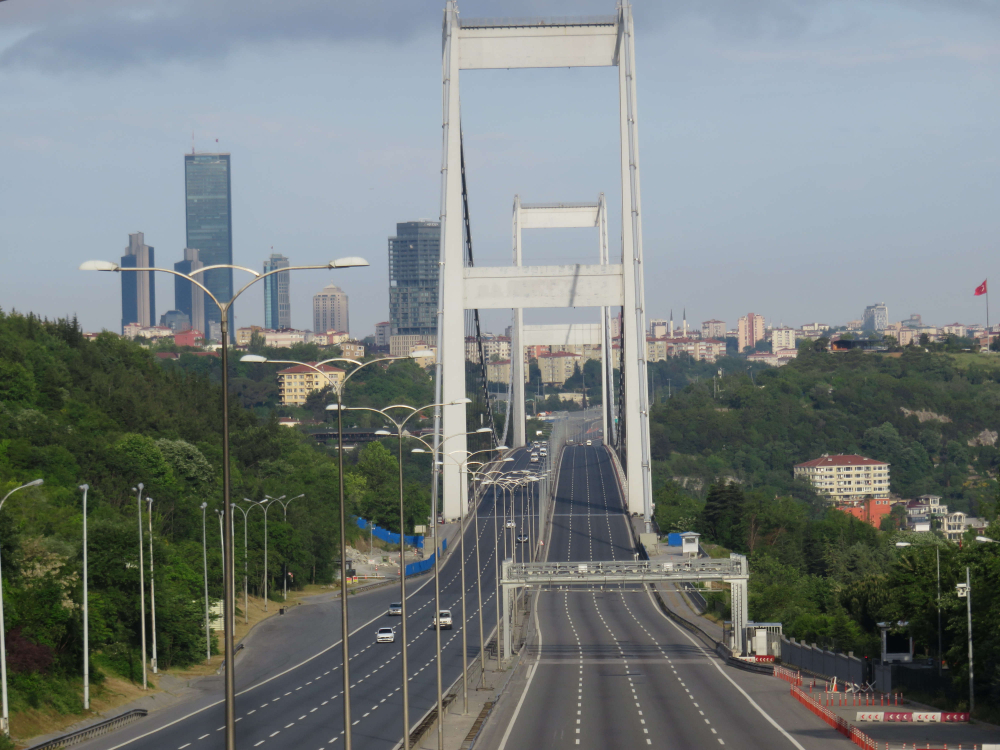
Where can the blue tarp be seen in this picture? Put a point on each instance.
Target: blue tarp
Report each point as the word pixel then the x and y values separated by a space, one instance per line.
pixel 674 539
pixel 424 565
pixel 390 537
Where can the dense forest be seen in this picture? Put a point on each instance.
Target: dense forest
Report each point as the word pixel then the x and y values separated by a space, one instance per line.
pixel 724 450
pixel 110 414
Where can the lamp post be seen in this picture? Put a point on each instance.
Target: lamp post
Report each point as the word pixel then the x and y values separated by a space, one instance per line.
pixel 142 583
pixel 86 613
pixel 338 407
pixel 152 591
pixel 937 554
pixel 964 591
pixel 400 424
pixel 227 544
pixel 5 719
pixel 204 555
pixel 246 594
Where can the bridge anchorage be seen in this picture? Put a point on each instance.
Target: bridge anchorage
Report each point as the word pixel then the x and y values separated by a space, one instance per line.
pixel 583 576
pixel 593 41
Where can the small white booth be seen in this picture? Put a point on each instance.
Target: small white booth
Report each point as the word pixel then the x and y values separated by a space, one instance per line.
pixel 689 543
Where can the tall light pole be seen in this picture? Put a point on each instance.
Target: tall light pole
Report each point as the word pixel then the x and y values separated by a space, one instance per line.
pixel 5 719
pixel 964 591
pixel 152 591
pixel 204 555
pixel 229 623
pixel 338 407
pixel 86 612
pixel 937 553
pixel 142 583
pixel 246 593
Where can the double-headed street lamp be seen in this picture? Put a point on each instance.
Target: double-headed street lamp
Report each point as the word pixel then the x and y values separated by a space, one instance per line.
pixel 265 505
pixel 338 407
pixel 204 556
pixel 246 593
pixel 227 543
pixel 5 720
pixel 142 583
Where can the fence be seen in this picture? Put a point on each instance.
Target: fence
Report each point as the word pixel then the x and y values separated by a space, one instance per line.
pixel 425 565
pixel 845 667
pixel 94 730
pixel 390 537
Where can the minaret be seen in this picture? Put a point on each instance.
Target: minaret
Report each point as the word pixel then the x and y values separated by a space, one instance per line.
pixel 671 324
pixel 685 323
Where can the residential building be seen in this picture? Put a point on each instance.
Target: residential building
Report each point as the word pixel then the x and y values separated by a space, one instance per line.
pixel 428 361
pixel 190 337
pixel 658 328
pixel 750 330
pixel 846 477
pixel 138 289
pixel 297 382
pixel 876 317
pixel 150 333
pixel 330 309
pixel 906 336
pixel 556 367
pixel 243 335
pixel 188 298
pixel 499 371
pixel 957 523
pixel 277 303
pixel 782 338
pixel 383 331
pixel 768 358
pixel 414 254
pixel 815 328
pixel 175 320
pixel 285 339
pixel 494 347
pixel 871 511
pixel 209 223
pixel 713 329
pixel 708 350
pixel 401 346
pixel 955 329
pixel 331 338
pixel 352 350
pixel 914 321
pixel 576 398
pixel 587 351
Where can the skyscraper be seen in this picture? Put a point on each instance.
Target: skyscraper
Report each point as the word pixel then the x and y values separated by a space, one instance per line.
pixel 876 317
pixel 750 330
pixel 330 310
pixel 138 289
pixel 208 200
pixel 187 297
pixel 277 307
pixel 413 278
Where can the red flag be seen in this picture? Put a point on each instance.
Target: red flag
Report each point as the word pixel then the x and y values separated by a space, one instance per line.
pixel 981 289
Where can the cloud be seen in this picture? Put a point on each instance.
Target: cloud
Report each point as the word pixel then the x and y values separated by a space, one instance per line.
pixel 105 36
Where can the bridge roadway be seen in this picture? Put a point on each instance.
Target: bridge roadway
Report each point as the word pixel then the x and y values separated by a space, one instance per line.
pixel 609 670
pixel 289 682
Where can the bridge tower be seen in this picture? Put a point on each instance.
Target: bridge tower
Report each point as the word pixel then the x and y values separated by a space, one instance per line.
pixel 477 44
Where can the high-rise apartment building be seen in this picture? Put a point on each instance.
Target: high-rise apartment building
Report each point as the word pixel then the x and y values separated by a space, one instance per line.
pixel 277 305
pixel 413 278
pixel 208 209
pixel 876 317
pixel 383 331
pixel 188 298
pixel 713 329
pixel 138 289
pixel 657 327
pixel 330 310
pixel 782 338
pixel 750 330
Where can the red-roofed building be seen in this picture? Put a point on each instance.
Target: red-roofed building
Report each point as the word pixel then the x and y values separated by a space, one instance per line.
pixel 190 337
pixel 297 382
pixel 846 477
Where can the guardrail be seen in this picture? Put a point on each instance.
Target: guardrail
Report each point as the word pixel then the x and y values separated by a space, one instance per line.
pixel 843 726
pixel 94 730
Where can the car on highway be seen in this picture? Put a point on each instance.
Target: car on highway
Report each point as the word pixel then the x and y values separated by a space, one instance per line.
pixel 522 538
pixel 534 459
pixel 589 443
pixel 396 608
pixel 385 635
pixel 443 620
pixel 511 524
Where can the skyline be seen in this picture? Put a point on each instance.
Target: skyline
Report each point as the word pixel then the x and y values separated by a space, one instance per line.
pixel 819 161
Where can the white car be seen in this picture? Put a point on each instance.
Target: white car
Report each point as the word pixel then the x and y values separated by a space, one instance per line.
pixel 588 442
pixel 534 460
pixel 385 635
pixel 511 525
pixel 396 608
pixel 444 618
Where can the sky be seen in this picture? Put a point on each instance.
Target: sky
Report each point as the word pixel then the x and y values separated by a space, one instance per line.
pixel 800 159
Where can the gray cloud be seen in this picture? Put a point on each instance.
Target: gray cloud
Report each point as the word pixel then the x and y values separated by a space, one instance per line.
pixel 109 35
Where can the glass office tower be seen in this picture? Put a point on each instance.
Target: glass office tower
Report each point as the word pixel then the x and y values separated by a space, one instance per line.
pixel 277 305
pixel 208 201
pixel 138 288
pixel 413 278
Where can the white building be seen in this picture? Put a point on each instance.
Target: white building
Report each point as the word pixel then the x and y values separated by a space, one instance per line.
pixel 330 309
pixel 782 338
pixel 846 477
pixel 876 317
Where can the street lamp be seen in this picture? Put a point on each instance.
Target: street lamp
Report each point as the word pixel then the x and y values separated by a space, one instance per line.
pixel 204 555
pixel 246 596
pixel 86 613
pixel 338 407
pixel 142 583
pixel 152 591
pixel 5 719
pixel 229 623
pixel 937 554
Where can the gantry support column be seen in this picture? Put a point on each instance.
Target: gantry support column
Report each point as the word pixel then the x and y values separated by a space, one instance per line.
pixel 517 405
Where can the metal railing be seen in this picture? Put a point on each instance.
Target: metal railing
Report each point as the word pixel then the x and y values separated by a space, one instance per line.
pixel 639 571
pixel 94 730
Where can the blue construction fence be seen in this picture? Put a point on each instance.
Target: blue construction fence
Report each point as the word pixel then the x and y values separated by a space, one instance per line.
pixel 391 537
pixel 425 565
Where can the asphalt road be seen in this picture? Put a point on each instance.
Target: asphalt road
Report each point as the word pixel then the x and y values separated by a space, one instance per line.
pixel 611 671
pixel 289 683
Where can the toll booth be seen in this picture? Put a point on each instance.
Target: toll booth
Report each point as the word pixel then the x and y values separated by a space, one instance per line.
pixel 690 544
pixel 763 639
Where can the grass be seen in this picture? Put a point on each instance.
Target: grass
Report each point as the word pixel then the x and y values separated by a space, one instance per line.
pixel 964 360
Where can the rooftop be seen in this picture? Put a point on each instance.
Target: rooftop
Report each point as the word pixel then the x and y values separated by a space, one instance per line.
pixel 305 368
pixel 841 460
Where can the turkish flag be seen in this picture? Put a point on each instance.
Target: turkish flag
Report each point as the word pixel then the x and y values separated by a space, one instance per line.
pixel 981 289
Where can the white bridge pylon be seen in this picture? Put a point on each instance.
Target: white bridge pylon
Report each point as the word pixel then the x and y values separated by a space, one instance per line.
pixel 471 44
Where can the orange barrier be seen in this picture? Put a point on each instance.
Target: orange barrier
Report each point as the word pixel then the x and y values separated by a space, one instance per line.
pixel 854 734
pixel 788 675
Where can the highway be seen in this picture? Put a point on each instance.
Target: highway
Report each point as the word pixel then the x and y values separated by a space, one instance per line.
pixel 609 670
pixel 289 682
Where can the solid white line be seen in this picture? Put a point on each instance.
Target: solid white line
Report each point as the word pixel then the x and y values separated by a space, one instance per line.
pixel 269 679
pixel 527 686
pixel 746 695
